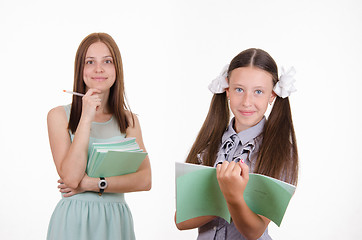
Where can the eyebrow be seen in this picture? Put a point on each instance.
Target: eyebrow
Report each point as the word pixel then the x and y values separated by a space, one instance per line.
pixel 102 57
pixel 242 86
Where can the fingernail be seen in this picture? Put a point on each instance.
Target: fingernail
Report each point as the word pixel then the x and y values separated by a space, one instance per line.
pixel 219 163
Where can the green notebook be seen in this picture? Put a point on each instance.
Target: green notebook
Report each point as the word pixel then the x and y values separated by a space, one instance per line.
pixel 115 158
pixel 198 194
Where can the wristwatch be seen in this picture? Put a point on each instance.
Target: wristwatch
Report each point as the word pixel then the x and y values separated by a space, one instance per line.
pixel 102 184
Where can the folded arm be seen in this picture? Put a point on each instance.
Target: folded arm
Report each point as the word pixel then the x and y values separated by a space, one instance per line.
pixel 138 181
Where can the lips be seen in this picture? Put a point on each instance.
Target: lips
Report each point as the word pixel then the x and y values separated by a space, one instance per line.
pixel 99 79
pixel 247 113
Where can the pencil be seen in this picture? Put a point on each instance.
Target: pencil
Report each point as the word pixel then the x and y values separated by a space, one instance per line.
pixel 74 93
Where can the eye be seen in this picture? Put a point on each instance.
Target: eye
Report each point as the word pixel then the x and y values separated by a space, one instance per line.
pixel 108 61
pixel 89 62
pixel 239 90
pixel 258 91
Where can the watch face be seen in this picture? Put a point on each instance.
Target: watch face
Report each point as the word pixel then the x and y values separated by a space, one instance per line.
pixel 102 184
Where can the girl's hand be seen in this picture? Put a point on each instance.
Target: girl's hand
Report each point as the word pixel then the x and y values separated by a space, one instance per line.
pixel 68 192
pixel 233 178
pixel 91 101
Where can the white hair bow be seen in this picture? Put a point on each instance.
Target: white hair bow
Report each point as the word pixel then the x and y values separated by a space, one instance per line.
pixel 219 84
pixel 284 87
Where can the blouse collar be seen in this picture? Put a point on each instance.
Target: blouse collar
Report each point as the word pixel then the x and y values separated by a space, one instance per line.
pixel 246 135
pixel 234 145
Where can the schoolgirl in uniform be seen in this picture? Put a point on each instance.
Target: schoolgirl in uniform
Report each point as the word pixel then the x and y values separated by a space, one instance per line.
pixel 248 143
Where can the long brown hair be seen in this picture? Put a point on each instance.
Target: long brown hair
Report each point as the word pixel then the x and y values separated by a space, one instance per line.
pixel 278 153
pixel 117 98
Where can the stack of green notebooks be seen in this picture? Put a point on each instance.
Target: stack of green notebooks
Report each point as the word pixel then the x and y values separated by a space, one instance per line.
pixel 115 159
pixel 198 194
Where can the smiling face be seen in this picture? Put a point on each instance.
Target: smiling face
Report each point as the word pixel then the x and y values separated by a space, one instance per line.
pixel 250 91
pixel 99 71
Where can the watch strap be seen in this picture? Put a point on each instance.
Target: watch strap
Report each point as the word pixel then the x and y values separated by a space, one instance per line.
pixel 101 190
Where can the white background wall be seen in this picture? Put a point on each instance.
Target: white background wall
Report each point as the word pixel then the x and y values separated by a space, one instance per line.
pixel 171 51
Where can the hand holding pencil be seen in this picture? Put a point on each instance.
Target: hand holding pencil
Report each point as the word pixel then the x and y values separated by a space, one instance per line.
pixel 91 102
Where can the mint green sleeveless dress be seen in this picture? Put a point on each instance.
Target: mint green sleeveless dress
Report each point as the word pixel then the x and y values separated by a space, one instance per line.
pixel 88 216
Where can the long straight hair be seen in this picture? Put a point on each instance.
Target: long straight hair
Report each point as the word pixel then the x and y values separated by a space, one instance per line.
pixel 117 98
pixel 278 153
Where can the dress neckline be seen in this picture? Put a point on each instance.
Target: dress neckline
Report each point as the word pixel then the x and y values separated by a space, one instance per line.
pixel 103 123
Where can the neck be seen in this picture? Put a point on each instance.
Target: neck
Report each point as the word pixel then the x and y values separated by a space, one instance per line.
pixel 104 108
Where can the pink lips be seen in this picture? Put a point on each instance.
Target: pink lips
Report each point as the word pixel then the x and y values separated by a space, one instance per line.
pixel 246 113
pixel 99 79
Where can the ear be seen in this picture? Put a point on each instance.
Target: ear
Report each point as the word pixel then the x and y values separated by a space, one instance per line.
pixel 227 89
pixel 272 97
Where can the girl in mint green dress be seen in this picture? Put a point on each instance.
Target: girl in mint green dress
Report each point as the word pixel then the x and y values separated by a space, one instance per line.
pixel 93 208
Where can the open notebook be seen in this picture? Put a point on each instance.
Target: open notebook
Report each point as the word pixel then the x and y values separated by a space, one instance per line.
pixel 198 194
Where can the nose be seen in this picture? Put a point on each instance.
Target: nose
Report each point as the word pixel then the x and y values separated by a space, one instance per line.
pixel 99 68
pixel 246 99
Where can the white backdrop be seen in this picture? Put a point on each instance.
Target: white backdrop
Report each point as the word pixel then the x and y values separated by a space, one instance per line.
pixel 171 51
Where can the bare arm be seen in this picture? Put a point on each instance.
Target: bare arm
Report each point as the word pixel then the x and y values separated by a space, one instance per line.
pixel 71 158
pixel 233 178
pixel 194 222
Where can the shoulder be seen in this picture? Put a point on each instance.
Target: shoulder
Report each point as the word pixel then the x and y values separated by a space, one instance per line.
pixel 134 128
pixel 132 119
pixel 56 111
pixel 57 114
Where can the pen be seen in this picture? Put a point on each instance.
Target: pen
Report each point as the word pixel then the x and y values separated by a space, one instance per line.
pixel 74 93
